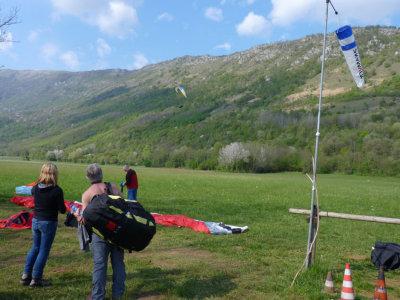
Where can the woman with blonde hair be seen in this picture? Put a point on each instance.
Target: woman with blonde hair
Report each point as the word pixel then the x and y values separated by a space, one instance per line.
pixel 49 200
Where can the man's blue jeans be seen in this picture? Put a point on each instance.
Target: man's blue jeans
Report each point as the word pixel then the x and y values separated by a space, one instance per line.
pixel 43 237
pixel 132 194
pixel 100 251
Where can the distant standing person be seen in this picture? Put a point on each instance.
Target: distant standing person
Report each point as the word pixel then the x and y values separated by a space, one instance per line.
pixel 131 182
pixel 49 200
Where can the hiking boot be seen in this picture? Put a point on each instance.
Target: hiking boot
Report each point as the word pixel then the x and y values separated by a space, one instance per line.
pixel 39 282
pixel 26 279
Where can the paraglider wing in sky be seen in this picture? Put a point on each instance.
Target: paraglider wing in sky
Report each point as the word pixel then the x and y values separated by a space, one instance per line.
pixel 181 90
pixel 350 52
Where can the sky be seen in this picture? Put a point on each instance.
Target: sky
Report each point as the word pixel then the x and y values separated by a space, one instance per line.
pixel 84 35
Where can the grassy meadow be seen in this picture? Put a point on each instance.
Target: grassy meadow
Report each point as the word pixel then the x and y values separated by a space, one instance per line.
pixel 182 264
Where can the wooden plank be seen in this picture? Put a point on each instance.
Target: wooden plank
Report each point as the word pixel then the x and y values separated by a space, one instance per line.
pixel 347 216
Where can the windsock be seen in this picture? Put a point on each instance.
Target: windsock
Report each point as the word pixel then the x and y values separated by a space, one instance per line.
pixel 349 48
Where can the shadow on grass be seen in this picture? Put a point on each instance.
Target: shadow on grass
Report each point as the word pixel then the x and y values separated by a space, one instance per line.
pixel 11 235
pixel 15 295
pixel 216 286
pixel 358 267
pixel 156 281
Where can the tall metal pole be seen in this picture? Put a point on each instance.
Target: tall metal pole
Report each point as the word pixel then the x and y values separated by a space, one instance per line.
pixel 311 232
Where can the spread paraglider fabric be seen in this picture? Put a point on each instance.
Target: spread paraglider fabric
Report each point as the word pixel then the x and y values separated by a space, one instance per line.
pixel 30 203
pixel 25 189
pixel 166 220
pixel 21 220
pixel 196 225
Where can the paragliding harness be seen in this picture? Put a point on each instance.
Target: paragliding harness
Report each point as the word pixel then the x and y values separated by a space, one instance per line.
pixel 122 222
pixel 23 219
pixel 386 255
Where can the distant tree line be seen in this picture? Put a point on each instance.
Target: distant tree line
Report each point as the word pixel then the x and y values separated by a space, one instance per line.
pixel 362 142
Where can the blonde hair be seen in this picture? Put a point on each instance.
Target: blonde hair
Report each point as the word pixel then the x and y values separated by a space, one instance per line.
pixel 48 174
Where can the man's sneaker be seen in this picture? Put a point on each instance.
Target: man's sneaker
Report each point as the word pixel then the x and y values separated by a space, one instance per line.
pixel 39 282
pixel 26 279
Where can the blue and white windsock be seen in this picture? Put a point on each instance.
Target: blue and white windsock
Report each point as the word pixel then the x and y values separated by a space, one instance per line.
pixel 349 48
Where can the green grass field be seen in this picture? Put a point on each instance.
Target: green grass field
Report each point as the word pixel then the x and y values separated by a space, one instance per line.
pixel 183 264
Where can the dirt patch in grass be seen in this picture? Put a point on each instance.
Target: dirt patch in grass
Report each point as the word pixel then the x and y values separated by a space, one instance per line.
pixel 357 257
pixel 392 285
pixel 15 260
pixel 176 257
pixel 60 271
pixel 151 297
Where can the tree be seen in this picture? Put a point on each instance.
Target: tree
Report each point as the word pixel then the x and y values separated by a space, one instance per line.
pixel 5 22
pixel 233 154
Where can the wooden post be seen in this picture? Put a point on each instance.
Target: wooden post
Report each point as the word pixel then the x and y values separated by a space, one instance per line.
pixel 347 216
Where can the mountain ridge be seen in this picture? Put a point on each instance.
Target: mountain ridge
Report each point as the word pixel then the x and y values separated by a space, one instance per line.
pixel 73 112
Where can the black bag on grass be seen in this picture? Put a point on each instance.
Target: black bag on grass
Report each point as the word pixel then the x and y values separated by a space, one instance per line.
pixel 386 255
pixel 122 222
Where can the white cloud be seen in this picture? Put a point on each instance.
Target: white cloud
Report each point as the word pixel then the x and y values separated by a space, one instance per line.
pixel 70 59
pixel 224 46
pixel 114 17
pixel 103 49
pixel 117 20
pixel 287 12
pixel 33 35
pixel 6 42
pixel 214 13
pixel 254 25
pixel 139 61
pixel 370 13
pixel 78 7
pixel 165 17
pixel 49 51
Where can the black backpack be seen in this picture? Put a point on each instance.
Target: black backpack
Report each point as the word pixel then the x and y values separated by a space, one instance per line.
pixel 122 222
pixel 386 255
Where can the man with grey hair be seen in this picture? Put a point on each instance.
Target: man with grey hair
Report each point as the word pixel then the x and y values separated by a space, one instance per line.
pixel 101 249
pixel 131 182
pixel 94 173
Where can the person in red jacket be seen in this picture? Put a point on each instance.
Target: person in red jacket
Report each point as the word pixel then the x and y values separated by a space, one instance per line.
pixel 131 183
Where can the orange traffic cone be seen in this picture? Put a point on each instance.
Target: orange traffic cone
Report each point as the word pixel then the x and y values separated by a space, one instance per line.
pixel 380 289
pixel 347 288
pixel 329 287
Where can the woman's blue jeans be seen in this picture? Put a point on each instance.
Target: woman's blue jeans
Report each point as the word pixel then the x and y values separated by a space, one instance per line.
pixel 43 237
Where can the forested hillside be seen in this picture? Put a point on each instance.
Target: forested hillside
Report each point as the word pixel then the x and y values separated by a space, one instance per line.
pixel 250 111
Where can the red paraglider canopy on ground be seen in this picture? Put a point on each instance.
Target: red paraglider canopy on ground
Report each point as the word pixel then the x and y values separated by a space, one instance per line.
pixel 166 220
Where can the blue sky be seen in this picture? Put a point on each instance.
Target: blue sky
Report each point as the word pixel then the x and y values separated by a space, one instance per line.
pixel 81 35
